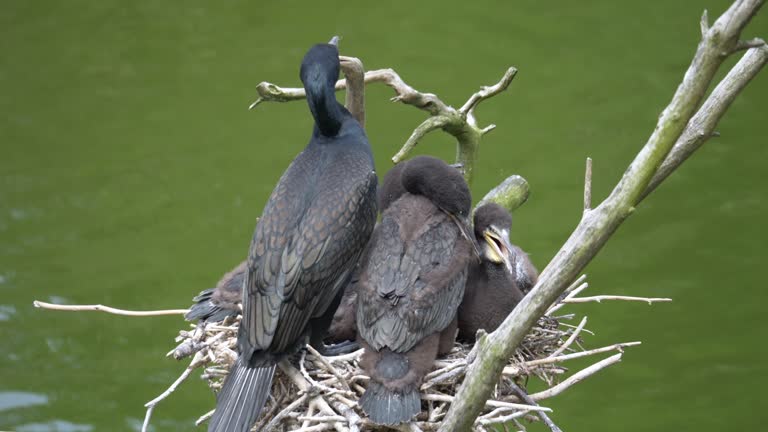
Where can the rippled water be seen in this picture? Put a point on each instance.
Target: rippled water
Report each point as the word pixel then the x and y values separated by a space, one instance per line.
pixel 131 174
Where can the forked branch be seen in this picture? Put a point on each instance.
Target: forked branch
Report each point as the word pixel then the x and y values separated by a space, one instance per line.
pixel 598 224
pixel 460 123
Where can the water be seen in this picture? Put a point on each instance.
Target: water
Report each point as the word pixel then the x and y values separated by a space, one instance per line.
pixel 131 174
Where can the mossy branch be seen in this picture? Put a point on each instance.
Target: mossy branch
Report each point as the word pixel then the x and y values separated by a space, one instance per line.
pixel 460 123
pixel 598 224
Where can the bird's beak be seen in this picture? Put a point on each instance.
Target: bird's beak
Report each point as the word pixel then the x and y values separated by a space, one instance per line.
pixel 334 41
pixel 499 248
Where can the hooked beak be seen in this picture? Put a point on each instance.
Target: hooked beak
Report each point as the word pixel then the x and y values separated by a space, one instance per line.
pixel 334 41
pixel 499 247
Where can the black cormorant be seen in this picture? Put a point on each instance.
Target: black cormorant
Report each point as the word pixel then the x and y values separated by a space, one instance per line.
pixel 223 300
pixel 499 281
pixel 411 283
pixel 305 246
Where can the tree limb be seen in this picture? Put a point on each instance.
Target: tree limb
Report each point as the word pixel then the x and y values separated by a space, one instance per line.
pixel 354 72
pixel 702 126
pixel 598 224
pixel 510 194
pixel 461 123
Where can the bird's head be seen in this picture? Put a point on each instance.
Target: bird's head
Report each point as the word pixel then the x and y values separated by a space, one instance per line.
pixel 492 224
pixel 320 66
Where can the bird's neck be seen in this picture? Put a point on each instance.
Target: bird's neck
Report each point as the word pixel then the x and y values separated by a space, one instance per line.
pixel 325 109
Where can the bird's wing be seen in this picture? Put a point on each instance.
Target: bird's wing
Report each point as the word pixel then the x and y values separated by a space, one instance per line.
pixel 411 290
pixel 295 271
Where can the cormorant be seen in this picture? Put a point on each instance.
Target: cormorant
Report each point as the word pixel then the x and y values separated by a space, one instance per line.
pixel 499 281
pixel 305 246
pixel 223 300
pixel 344 326
pixel 411 283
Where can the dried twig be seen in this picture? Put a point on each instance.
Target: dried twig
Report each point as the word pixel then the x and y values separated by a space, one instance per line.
pixel 600 298
pixel 197 361
pixel 107 309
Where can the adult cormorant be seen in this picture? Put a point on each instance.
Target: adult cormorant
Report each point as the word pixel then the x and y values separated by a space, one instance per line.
pixel 411 283
pixel 223 300
pixel 499 281
pixel 305 246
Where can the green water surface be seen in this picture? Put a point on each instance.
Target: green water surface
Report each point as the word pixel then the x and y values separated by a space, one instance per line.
pixel 131 174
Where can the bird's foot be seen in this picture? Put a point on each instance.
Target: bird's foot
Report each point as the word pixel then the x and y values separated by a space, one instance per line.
pixel 341 348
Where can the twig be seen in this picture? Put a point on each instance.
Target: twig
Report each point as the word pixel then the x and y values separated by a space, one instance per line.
pixel 328 366
pixel 102 308
pixel 287 410
pixel 204 417
pixel 562 358
pixel 198 359
pixel 575 378
pixel 491 403
pixel 503 419
pixel 600 298
pixel 570 339
pixel 527 399
pixel 489 91
pixel 588 186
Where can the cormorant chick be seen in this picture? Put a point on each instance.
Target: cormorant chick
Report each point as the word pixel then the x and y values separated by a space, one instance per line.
pixel 344 328
pixel 222 301
pixel 305 246
pixel 499 281
pixel 411 283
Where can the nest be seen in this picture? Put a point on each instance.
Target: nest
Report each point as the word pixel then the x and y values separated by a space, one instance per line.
pixel 314 393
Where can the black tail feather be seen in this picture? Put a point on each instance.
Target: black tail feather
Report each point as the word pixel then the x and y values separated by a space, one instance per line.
pixel 387 407
pixel 242 398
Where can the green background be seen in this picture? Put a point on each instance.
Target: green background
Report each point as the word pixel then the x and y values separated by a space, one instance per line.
pixel 131 174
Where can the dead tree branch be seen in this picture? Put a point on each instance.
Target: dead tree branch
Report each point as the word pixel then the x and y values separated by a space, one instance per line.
pixel 598 224
pixel 460 123
pixel 107 309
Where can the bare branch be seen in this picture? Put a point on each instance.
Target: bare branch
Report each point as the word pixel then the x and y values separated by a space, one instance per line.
pixel 527 399
pixel 354 72
pixel 599 224
pixel 489 91
pixel 570 339
pixel 704 24
pixel 600 298
pixel 199 359
pixel 461 123
pixel 430 124
pixel 510 194
pixel 107 309
pixel 490 403
pixel 588 186
pixel 576 378
pixel 615 347
pixel 750 43
pixel 702 126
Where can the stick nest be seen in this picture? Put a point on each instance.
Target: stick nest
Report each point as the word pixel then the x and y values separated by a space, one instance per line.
pixel 314 393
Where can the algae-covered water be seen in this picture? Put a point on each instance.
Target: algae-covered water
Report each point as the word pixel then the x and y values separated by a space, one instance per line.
pixel 131 174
